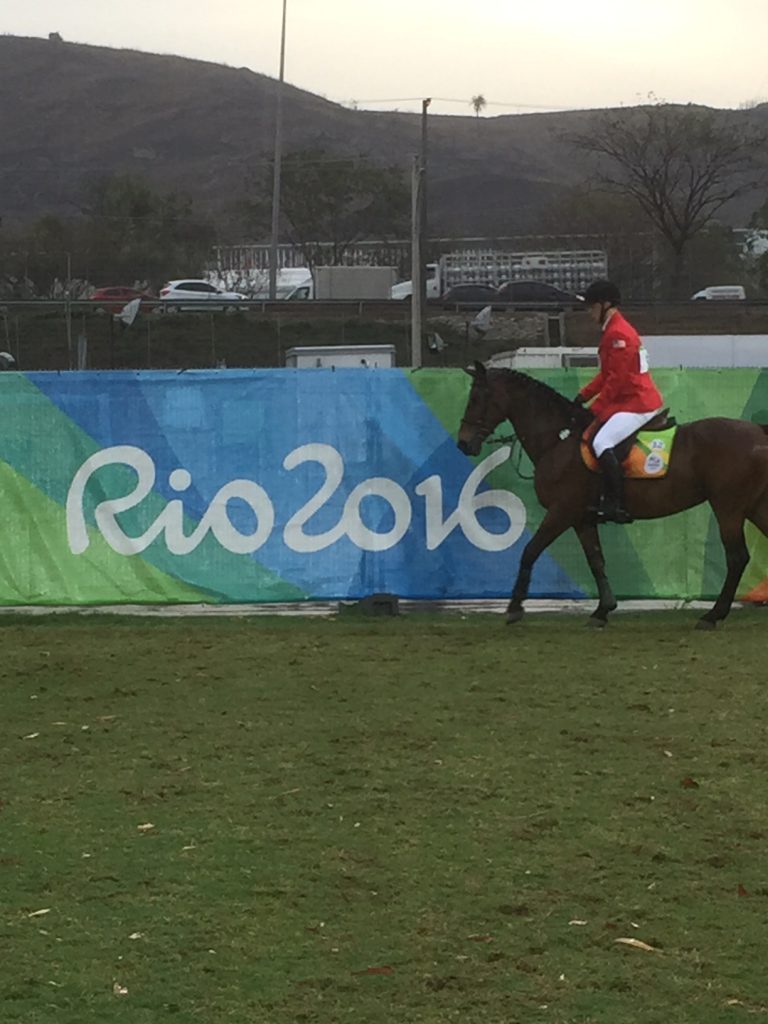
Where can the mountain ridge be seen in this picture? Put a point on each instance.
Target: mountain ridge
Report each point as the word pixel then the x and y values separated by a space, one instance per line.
pixel 72 111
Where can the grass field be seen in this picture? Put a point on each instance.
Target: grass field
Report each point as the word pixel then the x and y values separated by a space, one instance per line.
pixel 423 819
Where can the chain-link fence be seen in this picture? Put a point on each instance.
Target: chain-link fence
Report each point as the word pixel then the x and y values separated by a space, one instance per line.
pixel 49 335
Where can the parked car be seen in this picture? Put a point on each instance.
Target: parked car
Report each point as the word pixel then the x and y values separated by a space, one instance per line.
pixel 199 291
pixel 536 294
pixel 476 296
pixel 115 297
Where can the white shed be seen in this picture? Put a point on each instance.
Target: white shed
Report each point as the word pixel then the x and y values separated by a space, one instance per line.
pixel 336 356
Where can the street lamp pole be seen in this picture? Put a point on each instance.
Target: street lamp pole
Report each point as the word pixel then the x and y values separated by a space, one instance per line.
pixel 278 160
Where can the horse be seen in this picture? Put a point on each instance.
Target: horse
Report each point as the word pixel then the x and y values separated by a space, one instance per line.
pixel 716 460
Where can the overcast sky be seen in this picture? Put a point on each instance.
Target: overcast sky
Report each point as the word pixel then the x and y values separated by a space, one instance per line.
pixel 389 54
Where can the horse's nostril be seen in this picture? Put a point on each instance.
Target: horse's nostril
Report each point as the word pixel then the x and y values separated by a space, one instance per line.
pixel 463 447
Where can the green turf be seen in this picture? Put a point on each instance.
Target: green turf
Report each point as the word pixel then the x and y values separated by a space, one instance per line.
pixel 395 821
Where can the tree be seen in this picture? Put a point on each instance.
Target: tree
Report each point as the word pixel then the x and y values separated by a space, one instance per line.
pixel 135 233
pixel 478 104
pixel 581 217
pixel 40 259
pixel 336 200
pixel 680 164
pixel 756 254
pixel 127 233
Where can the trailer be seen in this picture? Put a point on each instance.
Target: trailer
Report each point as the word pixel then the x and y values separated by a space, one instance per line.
pixel 569 269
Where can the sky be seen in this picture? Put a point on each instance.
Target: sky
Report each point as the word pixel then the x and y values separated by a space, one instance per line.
pixel 521 56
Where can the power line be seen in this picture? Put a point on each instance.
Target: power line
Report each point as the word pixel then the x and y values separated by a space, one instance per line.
pixel 468 102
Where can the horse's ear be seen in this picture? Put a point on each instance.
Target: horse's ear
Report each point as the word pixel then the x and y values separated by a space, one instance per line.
pixel 480 369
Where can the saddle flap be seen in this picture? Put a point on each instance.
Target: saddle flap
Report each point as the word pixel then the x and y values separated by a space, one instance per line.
pixel 661 421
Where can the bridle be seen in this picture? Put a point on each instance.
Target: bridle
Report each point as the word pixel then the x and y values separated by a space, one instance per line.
pixel 481 428
pixel 485 434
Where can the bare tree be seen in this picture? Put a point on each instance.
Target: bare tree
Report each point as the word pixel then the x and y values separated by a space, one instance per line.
pixel 680 164
pixel 479 103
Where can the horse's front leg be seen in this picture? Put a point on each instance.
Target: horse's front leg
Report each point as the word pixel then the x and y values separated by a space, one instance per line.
pixel 589 538
pixel 556 521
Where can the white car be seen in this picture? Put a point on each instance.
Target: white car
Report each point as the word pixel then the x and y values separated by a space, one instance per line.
pixel 728 292
pixel 200 292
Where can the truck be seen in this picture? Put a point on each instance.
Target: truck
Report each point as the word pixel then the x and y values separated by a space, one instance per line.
pixel 328 283
pixel 354 282
pixel 293 283
pixel 571 270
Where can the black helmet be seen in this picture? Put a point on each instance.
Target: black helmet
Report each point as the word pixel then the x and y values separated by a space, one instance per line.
pixel 602 291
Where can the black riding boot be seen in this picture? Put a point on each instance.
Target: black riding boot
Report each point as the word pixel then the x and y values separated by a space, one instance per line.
pixel 611 508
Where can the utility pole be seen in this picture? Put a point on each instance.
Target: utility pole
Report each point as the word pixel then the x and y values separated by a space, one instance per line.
pixel 423 217
pixel 417 286
pixel 419 240
pixel 277 170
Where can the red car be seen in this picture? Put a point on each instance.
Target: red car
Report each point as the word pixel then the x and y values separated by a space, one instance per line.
pixel 114 299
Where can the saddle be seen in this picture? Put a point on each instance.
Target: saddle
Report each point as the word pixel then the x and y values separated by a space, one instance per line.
pixel 644 454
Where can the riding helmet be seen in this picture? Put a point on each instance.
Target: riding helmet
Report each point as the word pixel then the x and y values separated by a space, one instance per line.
pixel 602 291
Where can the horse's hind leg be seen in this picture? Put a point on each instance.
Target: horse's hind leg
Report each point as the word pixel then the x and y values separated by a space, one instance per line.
pixel 552 525
pixel 731 525
pixel 589 538
pixel 759 514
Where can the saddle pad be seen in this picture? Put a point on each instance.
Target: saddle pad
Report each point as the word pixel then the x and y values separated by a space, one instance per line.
pixel 648 458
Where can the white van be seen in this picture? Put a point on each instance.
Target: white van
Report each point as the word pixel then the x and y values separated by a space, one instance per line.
pixel 730 292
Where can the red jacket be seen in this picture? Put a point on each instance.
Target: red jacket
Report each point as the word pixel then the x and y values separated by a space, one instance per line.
pixel 623 383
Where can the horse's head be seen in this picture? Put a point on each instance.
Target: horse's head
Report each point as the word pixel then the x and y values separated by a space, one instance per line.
pixel 482 414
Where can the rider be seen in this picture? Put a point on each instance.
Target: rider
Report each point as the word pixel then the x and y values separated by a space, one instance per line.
pixel 627 397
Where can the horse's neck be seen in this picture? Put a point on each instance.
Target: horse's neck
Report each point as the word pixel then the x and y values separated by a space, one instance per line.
pixel 537 426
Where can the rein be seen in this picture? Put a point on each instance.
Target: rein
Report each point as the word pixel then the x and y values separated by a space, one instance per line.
pixel 486 435
pixel 516 446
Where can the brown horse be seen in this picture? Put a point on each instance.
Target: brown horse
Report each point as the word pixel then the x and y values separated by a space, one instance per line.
pixel 722 461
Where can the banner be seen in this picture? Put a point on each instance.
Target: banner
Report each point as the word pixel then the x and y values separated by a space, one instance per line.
pixel 288 485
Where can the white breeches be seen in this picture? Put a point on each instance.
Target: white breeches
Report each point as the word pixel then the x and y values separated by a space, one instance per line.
pixel 619 427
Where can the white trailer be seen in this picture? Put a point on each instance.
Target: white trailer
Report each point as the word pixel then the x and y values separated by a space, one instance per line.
pixel 354 282
pixel 531 357
pixel 705 351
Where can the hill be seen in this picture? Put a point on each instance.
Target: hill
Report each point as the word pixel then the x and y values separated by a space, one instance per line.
pixel 71 111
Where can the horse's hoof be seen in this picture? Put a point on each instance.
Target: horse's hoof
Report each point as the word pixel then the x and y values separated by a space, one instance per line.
pixel 707 624
pixel 594 622
pixel 514 615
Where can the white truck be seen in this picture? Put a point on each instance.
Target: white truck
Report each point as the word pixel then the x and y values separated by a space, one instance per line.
pixel 363 282
pixel 571 270
pixel 292 283
pixel 297 283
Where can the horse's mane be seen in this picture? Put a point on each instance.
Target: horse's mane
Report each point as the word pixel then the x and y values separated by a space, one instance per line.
pixel 557 402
